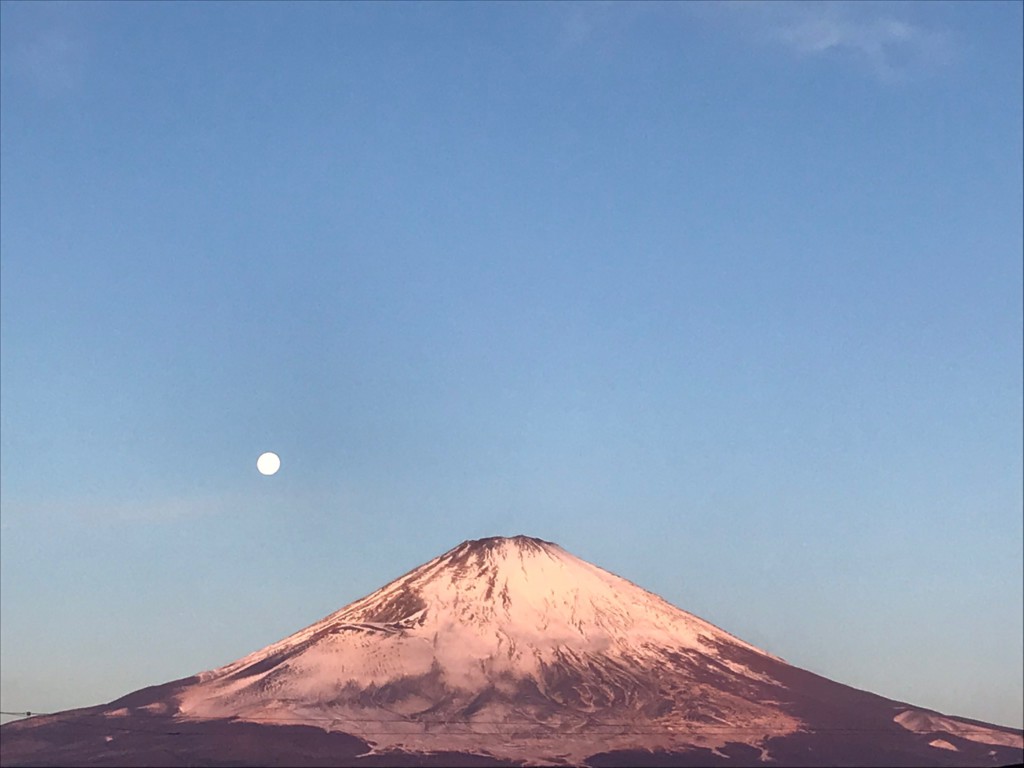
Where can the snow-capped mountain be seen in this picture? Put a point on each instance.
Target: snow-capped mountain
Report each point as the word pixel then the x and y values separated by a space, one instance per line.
pixel 514 650
pixel 515 633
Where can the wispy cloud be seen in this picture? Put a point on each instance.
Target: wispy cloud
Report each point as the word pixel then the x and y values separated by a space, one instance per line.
pixel 91 511
pixel 577 26
pixel 53 60
pixel 581 22
pixel 45 46
pixel 144 508
pixel 891 49
pixel 877 38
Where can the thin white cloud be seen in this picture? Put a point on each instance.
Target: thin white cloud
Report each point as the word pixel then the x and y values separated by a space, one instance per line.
pixel 581 22
pixel 162 509
pixel 53 60
pixel 45 46
pixel 577 26
pixel 878 38
pixel 119 511
pixel 890 48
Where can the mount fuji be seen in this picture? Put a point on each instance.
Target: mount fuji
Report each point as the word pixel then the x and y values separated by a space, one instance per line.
pixel 508 651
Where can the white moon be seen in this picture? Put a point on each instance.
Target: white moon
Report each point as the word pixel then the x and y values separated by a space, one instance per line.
pixel 268 463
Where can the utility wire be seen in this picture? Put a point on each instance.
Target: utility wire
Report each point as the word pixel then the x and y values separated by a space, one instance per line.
pixel 77 721
pixel 611 728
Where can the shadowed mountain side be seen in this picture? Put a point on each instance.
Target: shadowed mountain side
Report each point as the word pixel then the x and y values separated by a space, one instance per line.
pixel 808 752
pixel 89 738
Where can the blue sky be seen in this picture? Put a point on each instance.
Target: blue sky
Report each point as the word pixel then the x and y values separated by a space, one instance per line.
pixel 724 298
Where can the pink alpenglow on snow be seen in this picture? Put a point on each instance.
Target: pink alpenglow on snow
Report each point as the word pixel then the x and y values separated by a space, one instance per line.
pixel 514 651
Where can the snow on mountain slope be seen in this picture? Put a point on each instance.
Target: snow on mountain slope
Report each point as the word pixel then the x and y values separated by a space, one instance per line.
pixel 504 632
pixel 508 650
pixel 932 722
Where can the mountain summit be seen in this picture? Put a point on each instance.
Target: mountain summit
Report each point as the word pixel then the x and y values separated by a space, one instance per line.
pixel 512 650
pixel 512 631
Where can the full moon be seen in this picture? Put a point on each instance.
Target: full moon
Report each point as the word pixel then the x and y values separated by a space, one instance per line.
pixel 268 463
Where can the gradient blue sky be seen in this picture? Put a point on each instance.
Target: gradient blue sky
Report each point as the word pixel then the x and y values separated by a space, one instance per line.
pixel 724 298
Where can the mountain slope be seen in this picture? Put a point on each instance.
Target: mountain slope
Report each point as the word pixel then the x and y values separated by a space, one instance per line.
pixel 513 649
